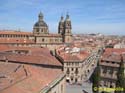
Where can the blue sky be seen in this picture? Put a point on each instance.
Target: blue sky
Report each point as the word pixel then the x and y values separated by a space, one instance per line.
pixel 88 16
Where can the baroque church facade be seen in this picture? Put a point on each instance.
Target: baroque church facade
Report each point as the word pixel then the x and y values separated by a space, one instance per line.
pixel 40 35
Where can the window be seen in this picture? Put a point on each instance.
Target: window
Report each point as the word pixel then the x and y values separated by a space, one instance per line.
pixel 68 31
pixel 67 71
pixel 43 40
pixel 107 61
pixel 104 70
pixel 56 40
pixel 71 78
pixel 111 71
pixel 76 71
pixel 105 84
pixel 72 69
pixel 116 73
pixel 68 24
pixel 111 84
pixel 67 64
pixel 42 30
pixel 77 64
pixel 75 80
pixel 51 40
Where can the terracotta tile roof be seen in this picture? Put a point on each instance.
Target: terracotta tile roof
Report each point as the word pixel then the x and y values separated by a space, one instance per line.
pixel 15 32
pixel 70 57
pixel 36 80
pixel 36 50
pixel 15 40
pixel 34 56
pixel 117 50
pixel 31 59
pixel 26 78
pixel 76 57
pixel 10 74
pixel 112 54
pixel 112 57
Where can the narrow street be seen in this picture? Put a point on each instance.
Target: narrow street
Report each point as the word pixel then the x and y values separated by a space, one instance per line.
pixel 73 89
pixel 86 87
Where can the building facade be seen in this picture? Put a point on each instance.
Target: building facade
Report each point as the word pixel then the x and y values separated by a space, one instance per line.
pixel 74 61
pixel 109 67
pixel 40 35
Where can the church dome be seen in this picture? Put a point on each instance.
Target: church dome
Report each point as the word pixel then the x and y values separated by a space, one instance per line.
pixel 40 22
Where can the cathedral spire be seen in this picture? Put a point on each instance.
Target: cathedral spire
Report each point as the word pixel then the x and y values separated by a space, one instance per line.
pixel 62 19
pixel 67 16
pixel 67 35
pixel 61 25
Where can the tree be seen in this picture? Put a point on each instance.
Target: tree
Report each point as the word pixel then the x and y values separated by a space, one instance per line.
pixel 121 77
pixel 96 79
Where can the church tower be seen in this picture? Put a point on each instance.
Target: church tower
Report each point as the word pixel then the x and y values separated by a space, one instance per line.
pixel 40 27
pixel 67 35
pixel 61 26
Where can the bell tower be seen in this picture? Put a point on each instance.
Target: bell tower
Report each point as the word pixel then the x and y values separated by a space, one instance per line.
pixel 67 36
pixel 61 26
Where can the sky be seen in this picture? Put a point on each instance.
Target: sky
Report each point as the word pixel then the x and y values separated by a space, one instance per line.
pixel 87 16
